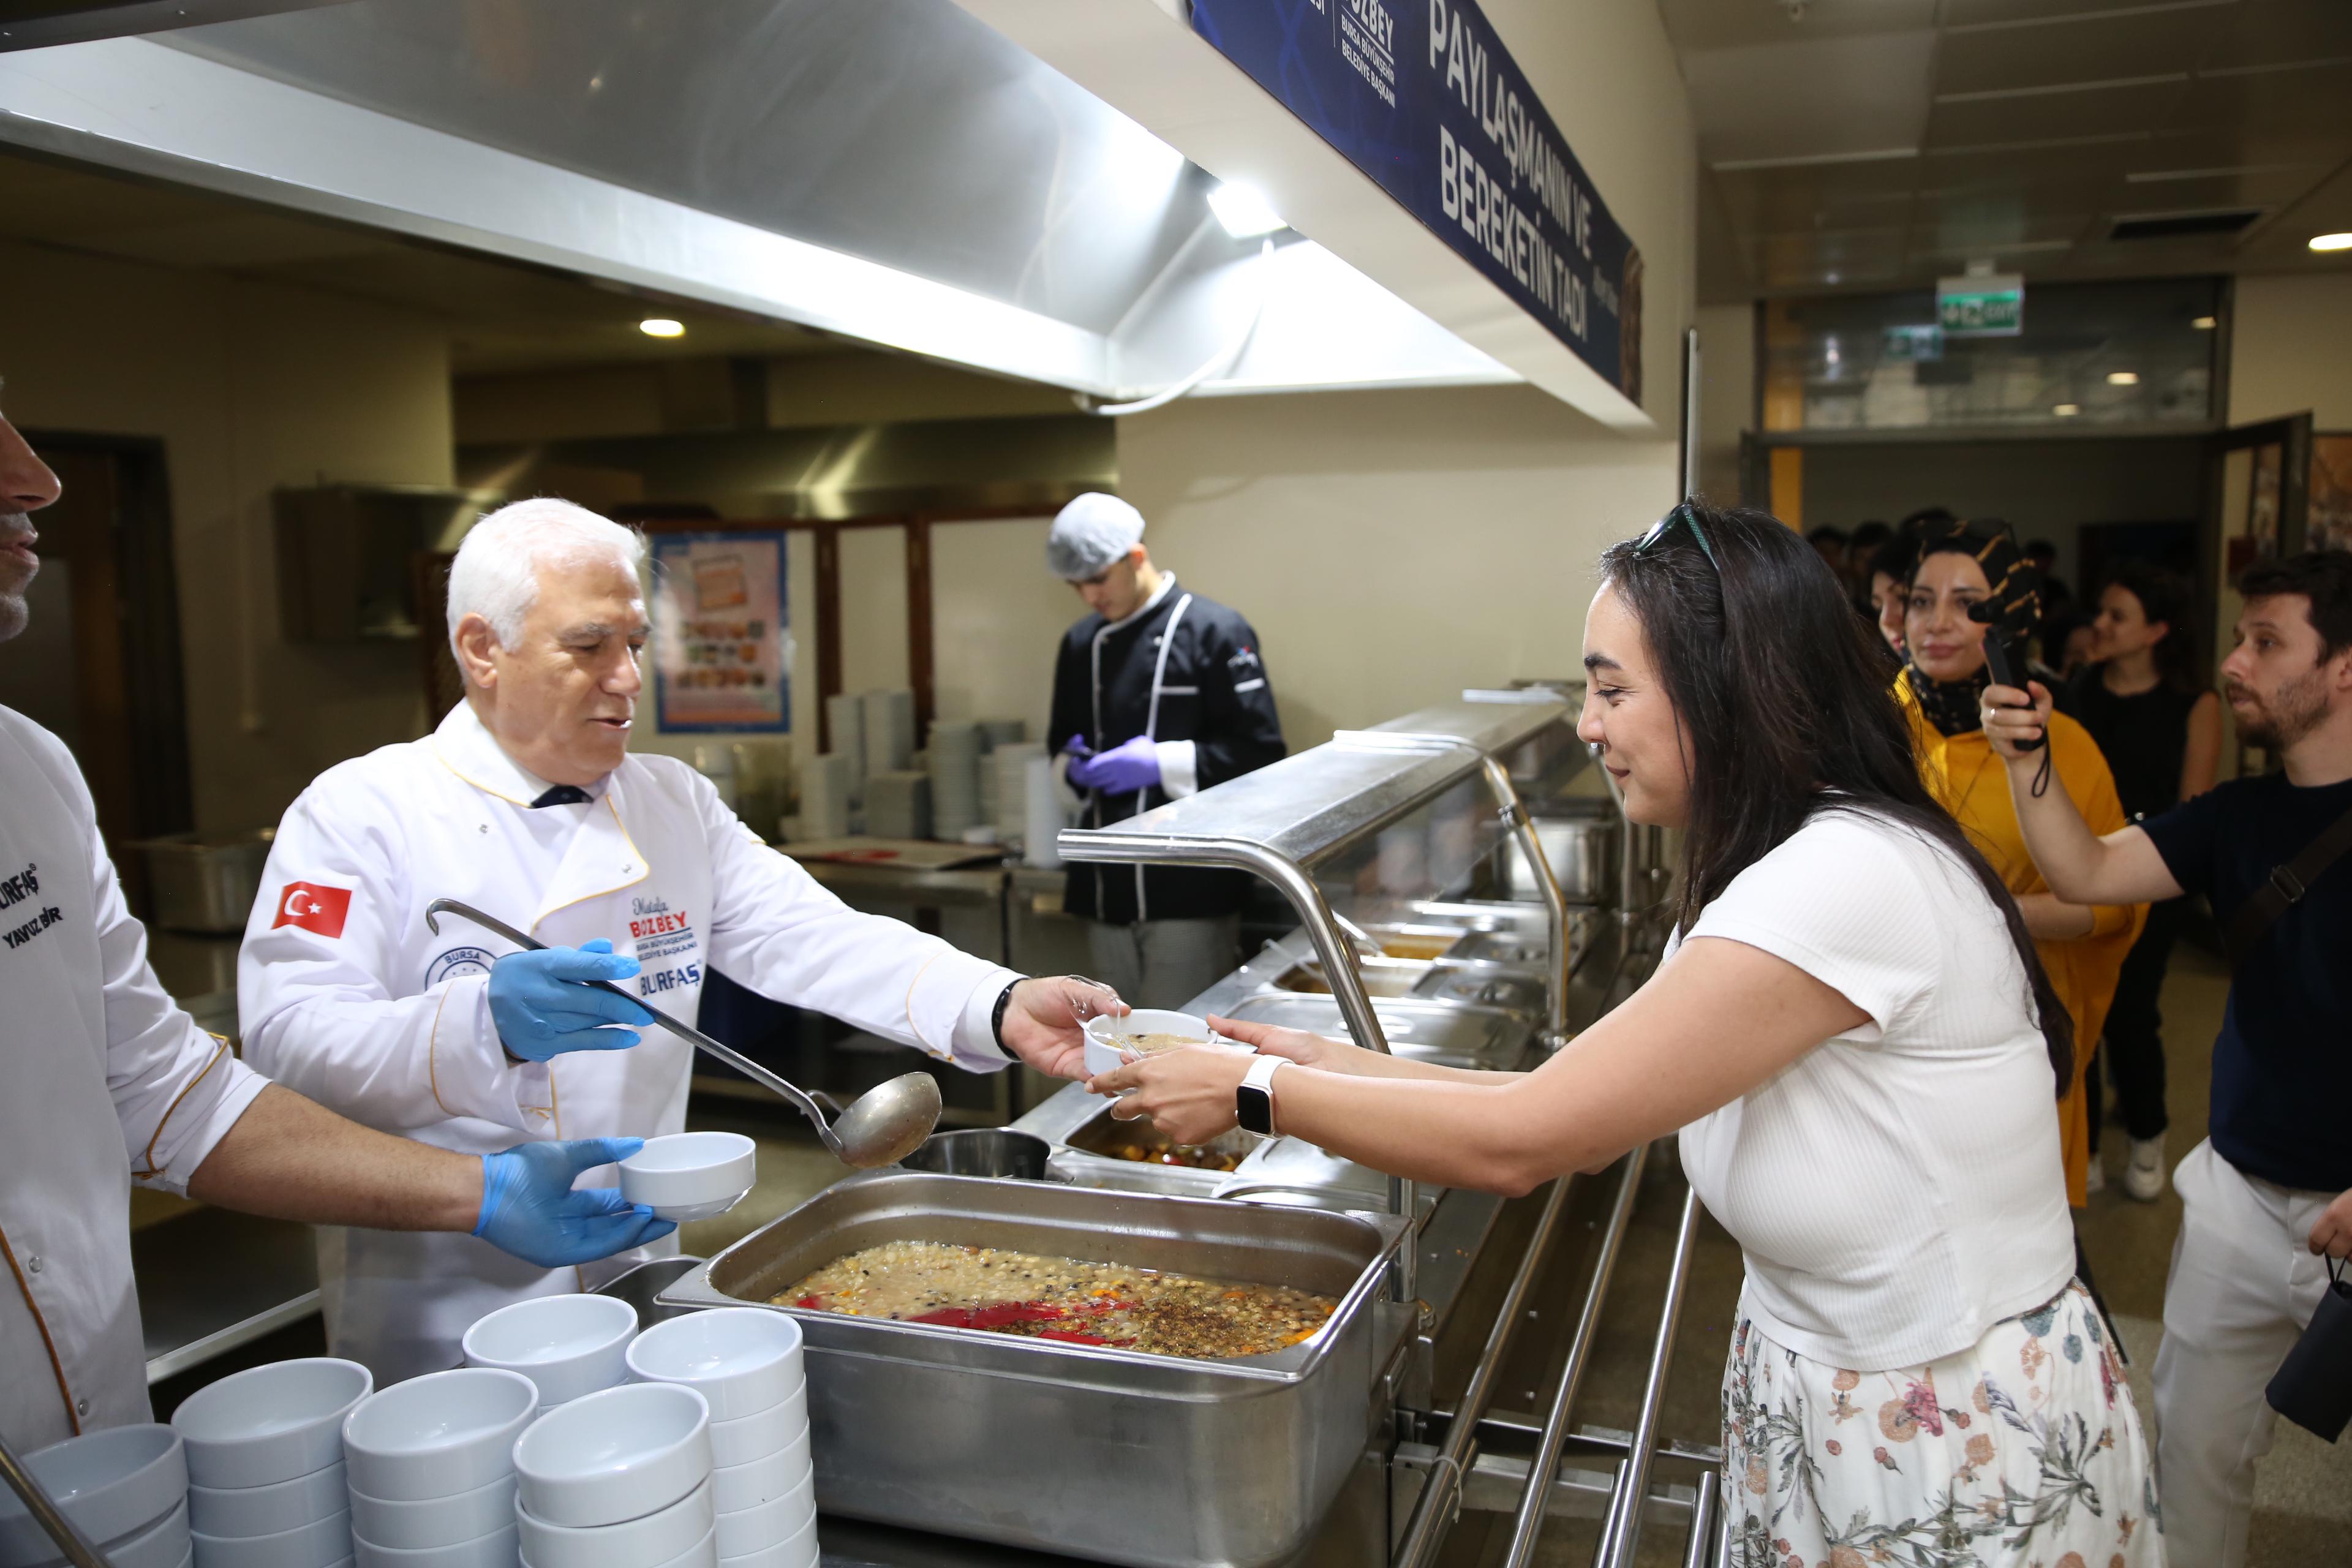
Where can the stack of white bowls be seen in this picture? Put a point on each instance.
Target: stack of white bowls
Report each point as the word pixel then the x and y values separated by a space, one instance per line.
pixel 265 1463
pixel 432 1469
pixel 619 1479
pixel 567 1345
pixel 125 1488
pixel 955 778
pixel 746 1365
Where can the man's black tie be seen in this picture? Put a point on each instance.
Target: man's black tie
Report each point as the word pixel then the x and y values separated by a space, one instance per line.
pixel 561 795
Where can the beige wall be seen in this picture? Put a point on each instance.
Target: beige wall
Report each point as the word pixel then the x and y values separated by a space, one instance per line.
pixel 997 615
pixel 2291 349
pixel 1391 548
pixel 250 388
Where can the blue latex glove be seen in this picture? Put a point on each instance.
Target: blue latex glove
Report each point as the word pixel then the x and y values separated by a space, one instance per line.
pixel 528 1208
pixel 543 1010
pixel 1122 769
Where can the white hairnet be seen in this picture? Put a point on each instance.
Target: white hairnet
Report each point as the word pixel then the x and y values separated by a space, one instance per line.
pixel 1091 532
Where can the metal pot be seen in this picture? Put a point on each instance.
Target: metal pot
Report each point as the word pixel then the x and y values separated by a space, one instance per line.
pixel 1583 848
pixel 984 1151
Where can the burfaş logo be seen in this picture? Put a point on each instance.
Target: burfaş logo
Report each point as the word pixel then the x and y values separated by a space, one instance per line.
pixel 313 908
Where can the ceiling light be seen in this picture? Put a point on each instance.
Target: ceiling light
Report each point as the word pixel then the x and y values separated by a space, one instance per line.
pixel 2123 378
pixel 2067 410
pixel 2331 242
pixel 1246 212
pixel 661 327
pixel 2205 323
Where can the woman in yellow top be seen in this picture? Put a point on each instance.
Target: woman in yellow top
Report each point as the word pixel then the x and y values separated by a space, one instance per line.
pixel 2083 946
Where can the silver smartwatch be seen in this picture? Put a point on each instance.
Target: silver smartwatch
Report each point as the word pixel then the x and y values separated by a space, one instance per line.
pixel 1253 1096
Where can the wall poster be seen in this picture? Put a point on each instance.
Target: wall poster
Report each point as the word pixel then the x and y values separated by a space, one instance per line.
pixel 722 652
pixel 1421 96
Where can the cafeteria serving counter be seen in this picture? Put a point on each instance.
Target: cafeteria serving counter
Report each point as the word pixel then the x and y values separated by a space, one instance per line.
pixel 1465 1398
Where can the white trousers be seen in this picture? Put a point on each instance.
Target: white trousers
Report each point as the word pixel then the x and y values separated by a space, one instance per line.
pixel 2243 1283
pixel 1164 964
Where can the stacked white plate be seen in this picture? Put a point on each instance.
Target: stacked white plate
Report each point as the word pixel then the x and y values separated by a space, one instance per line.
pixel 889 732
pixel 567 1345
pixel 898 805
pixel 266 1469
pixel 1010 764
pixel 619 1479
pixel 746 1365
pixel 955 778
pixel 432 1469
pixel 125 1488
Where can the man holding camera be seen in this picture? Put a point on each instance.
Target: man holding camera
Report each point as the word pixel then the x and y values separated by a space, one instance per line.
pixel 2264 1199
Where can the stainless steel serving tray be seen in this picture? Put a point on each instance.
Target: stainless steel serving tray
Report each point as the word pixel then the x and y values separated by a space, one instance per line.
pixel 1109 1453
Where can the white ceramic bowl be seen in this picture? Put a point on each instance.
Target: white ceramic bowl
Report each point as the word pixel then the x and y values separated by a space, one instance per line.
pixel 757 1437
pixel 322 1542
pixel 744 1359
pixel 436 1521
pixel 691 1171
pixel 618 1455
pixel 647 1542
pixel 567 1345
pixel 703 1554
pixel 109 1484
pixel 162 1543
pixel 771 1523
pixel 270 1424
pixel 1103 1053
pixel 737 1487
pixel 231 1511
pixel 800 1552
pixel 435 1435
pixel 496 1550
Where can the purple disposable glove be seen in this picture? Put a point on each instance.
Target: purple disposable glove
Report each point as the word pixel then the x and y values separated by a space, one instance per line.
pixel 1122 769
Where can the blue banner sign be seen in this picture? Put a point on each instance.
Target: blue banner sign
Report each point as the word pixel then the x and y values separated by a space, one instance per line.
pixel 1421 96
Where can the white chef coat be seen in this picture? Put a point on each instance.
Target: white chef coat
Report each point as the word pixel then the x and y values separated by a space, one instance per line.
pixel 347 997
pixel 103 1081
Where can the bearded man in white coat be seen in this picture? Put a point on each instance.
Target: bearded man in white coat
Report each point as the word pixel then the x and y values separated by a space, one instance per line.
pixel 527 804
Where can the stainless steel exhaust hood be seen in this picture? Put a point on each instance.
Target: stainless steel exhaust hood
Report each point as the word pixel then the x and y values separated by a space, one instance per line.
pixel 893 170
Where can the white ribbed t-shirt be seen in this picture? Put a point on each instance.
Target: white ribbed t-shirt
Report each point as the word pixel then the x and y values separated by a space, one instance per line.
pixel 1898 1189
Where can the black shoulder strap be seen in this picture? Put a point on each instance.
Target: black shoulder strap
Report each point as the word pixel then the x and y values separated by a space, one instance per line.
pixel 2286 886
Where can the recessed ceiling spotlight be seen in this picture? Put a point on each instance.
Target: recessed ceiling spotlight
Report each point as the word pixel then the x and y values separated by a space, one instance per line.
pixel 2331 242
pixel 1243 210
pixel 2123 378
pixel 2067 410
pixel 2205 323
pixel 661 327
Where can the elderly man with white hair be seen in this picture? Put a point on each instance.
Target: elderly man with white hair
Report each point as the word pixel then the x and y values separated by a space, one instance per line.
pixel 527 804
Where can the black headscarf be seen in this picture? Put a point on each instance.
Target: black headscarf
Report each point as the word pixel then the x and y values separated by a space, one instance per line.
pixel 1953 707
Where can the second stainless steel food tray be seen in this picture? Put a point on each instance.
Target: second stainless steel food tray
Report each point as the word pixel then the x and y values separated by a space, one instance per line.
pixel 1109 1453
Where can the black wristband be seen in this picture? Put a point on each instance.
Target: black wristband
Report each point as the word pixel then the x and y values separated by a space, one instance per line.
pixel 996 1018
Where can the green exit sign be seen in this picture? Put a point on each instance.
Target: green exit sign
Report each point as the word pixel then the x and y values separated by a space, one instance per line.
pixel 1981 306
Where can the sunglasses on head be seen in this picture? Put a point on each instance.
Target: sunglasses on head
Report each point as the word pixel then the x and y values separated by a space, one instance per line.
pixel 1651 541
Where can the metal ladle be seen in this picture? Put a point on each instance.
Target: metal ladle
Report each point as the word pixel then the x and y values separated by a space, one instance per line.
pixel 884 1125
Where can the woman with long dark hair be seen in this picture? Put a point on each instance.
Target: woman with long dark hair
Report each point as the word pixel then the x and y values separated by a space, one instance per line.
pixel 1854 1037
pixel 2159 726
pixel 1963 566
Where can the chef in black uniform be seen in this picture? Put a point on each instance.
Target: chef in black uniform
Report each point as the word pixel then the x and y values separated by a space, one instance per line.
pixel 1158 694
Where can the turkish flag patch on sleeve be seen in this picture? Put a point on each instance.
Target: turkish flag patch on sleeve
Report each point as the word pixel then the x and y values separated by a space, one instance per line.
pixel 313 908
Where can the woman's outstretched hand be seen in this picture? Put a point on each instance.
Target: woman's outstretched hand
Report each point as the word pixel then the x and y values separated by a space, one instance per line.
pixel 1188 1093
pixel 1308 1050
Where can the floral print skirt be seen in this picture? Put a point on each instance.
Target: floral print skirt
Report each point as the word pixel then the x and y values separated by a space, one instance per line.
pixel 2024 1451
